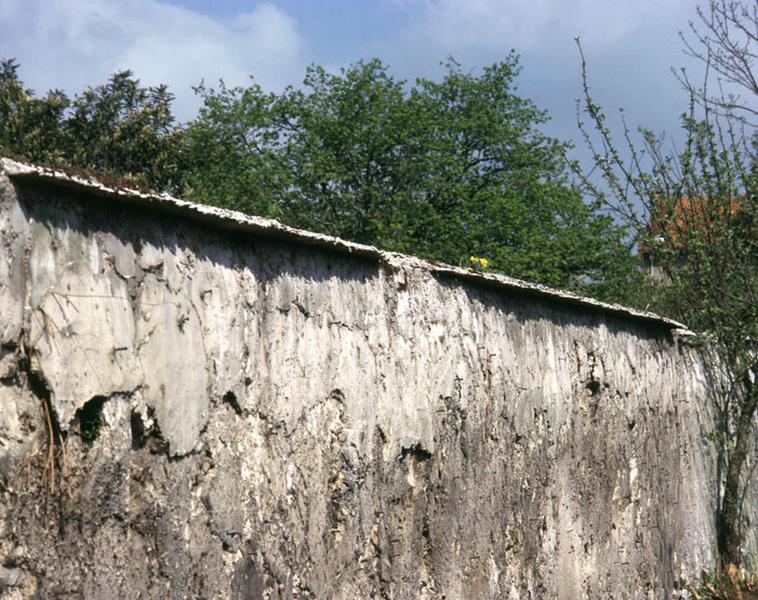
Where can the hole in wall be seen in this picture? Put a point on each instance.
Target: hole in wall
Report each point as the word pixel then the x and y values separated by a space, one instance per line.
pixel 416 451
pixel 147 435
pixel 230 399
pixel 90 418
pixel 138 431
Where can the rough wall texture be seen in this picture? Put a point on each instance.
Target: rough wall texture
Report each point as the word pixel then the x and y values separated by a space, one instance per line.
pixel 247 417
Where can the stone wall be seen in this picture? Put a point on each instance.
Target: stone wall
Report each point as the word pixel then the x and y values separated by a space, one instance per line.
pixel 239 410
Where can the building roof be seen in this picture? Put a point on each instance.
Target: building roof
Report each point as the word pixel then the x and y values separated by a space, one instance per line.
pixel 687 217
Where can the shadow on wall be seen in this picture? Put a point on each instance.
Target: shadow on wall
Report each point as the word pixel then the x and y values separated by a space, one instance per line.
pixel 165 232
pixel 268 258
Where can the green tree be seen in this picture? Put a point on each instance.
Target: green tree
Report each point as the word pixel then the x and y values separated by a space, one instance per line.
pixel 442 169
pixel 119 127
pixel 232 152
pixel 123 128
pixel 694 213
pixel 30 126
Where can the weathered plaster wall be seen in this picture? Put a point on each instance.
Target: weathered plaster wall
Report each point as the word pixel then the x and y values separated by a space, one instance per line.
pixel 285 420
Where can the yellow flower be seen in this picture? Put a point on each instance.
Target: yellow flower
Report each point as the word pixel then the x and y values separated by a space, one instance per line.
pixel 478 263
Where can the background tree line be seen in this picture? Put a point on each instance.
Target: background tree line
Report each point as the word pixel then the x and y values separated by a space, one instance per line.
pixel 458 167
pixel 443 169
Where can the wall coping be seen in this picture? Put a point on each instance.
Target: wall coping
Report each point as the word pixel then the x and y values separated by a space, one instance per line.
pixel 221 218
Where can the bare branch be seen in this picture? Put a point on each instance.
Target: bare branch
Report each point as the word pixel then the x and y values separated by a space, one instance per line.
pixel 724 39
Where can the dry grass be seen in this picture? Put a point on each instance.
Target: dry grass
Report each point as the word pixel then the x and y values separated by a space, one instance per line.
pixel 729 585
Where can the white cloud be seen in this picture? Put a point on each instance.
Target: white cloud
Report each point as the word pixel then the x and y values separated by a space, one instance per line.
pixel 533 25
pixel 630 47
pixel 72 44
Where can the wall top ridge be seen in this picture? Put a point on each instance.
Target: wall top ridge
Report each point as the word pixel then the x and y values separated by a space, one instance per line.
pixel 220 218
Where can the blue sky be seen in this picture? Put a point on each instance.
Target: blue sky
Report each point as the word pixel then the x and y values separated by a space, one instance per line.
pixel 630 45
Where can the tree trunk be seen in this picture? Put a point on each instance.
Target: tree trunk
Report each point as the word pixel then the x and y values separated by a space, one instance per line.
pixel 729 516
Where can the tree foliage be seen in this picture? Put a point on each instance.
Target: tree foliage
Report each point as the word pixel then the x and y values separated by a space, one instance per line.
pixel 724 38
pixel 30 126
pixel 694 212
pixel 444 169
pixel 119 127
